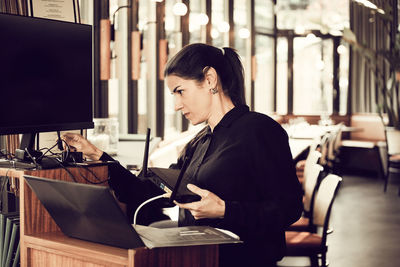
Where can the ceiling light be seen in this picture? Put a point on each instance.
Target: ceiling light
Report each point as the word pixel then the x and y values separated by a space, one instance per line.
pixel 381 11
pixel 179 9
pixel 367 3
pixel 214 33
pixel 311 37
pixel 341 49
pixel 202 19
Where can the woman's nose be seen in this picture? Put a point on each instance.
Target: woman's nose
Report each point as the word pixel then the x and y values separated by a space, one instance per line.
pixel 178 104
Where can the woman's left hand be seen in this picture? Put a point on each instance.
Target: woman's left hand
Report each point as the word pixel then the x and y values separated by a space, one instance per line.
pixel 210 205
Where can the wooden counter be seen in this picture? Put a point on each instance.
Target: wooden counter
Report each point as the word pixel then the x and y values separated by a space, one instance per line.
pixel 43 244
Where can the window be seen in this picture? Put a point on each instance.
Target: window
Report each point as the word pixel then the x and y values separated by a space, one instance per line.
pixel 312 75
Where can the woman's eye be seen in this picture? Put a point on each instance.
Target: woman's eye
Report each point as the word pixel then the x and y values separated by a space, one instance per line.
pixel 179 92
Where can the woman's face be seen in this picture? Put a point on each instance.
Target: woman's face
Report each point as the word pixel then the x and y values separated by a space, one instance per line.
pixel 191 98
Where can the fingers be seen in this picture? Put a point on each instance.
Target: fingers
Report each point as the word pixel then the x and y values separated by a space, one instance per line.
pixel 70 135
pixel 70 138
pixel 197 190
pixel 210 205
pixel 193 207
pixel 68 141
pixel 76 142
pixel 183 205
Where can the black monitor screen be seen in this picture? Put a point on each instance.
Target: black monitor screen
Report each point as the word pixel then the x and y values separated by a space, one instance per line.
pixel 45 75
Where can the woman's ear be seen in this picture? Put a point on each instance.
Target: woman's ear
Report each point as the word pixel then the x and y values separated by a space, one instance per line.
pixel 210 77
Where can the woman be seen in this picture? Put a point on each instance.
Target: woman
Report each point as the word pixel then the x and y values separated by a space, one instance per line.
pixel 240 163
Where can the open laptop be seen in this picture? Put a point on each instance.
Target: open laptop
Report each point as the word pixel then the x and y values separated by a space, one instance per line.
pixel 173 181
pixel 87 212
pixel 91 213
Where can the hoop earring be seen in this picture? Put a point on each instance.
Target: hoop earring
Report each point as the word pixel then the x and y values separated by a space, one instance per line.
pixel 214 90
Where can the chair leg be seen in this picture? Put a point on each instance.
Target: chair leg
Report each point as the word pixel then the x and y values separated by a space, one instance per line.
pixel 314 261
pixel 323 260
pixel 381 169
pixel 386 180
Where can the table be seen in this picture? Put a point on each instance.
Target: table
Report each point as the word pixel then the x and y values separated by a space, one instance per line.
pixel 298 146
pixel 43 244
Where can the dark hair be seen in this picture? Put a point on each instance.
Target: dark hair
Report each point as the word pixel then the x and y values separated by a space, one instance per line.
pixel 189 63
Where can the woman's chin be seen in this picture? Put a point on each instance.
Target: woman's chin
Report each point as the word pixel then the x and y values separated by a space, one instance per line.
pixel 194 122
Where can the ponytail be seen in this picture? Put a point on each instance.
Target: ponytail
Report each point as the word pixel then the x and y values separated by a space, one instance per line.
pixel 234 83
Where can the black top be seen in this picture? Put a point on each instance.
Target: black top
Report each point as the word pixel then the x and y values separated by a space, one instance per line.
pixel 247 162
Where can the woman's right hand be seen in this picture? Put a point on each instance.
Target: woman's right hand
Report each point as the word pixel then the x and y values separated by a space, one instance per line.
pixel 81 144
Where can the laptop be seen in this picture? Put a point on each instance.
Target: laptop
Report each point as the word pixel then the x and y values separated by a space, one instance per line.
pixel 90 212
pixel 87 212
pixel 173 181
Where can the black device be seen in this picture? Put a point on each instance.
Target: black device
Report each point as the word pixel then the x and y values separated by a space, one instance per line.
pixel 45 78
pixel 173 181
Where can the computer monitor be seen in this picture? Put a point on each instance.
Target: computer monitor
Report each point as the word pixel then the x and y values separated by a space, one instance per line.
pixel 45 76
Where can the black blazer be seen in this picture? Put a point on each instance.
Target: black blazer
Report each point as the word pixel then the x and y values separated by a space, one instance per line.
pixel 247 162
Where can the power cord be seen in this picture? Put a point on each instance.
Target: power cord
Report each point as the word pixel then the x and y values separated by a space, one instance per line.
pixel 49 151
pixel 7 155
pixel 166 195
pixel 3 154
pixel 30 156
pixel 99 181
pixel 66 169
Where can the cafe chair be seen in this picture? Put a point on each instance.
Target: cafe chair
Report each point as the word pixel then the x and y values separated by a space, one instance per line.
pixel 323 148
pixel 334 144
pixel 393 155
pixel 303 166
pixel 311 184
pixel 314 245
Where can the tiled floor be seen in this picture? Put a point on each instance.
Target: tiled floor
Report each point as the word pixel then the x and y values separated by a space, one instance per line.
pixel 366 224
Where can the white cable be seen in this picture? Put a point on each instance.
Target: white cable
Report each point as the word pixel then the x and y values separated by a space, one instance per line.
pixel 166 195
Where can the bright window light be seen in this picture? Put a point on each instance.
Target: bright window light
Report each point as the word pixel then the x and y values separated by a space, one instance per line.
pixel 223 26
pixel 343 82
pixel 300 29
pixel 320 64
pixel 244 33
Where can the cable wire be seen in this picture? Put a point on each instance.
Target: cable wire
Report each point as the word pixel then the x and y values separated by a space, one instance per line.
pixel 166 195
pixel 65 168
pixel 99 181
